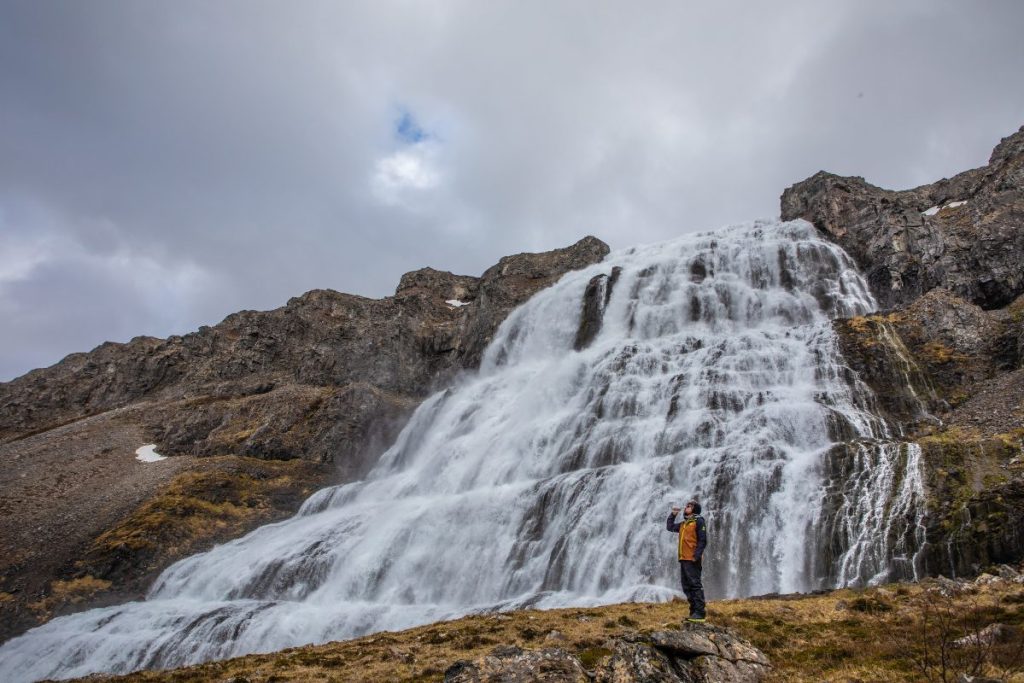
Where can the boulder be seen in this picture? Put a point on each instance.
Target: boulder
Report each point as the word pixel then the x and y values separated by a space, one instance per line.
pixel 698 653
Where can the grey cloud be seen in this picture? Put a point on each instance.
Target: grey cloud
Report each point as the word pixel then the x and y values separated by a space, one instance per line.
pixel 235 143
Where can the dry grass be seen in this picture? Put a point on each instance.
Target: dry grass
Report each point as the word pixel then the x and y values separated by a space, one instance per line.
pixel 199 508
pixel 71 592
pixel 846 635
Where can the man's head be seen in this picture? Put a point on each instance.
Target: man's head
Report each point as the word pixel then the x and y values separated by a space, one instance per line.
pixel 692 508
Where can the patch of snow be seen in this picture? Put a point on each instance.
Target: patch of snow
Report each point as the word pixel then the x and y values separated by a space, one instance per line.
pixel 455 303
pixel 935 209
pixel 148 454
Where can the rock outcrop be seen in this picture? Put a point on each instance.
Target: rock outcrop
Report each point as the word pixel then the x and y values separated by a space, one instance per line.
pixel 965 234
pixel 696 654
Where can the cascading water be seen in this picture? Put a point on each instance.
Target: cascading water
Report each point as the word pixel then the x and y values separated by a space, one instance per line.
pixel 545 480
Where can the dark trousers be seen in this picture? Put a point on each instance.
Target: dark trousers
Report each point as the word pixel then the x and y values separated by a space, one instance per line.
pixel 694 589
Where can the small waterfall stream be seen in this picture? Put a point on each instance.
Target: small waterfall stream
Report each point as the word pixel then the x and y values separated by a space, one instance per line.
pixel 544 480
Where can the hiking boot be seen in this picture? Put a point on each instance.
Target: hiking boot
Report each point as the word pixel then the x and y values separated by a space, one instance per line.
pixel 696 618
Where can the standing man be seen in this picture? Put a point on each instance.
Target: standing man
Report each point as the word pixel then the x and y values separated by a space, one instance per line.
pixel 693 538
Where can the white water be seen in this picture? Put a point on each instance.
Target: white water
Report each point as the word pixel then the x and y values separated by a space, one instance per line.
pixel 545 480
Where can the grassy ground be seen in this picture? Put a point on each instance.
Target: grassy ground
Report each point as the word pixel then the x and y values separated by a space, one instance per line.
pixel 891 633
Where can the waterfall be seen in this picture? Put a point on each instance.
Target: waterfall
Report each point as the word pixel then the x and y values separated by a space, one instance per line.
pixel 709 370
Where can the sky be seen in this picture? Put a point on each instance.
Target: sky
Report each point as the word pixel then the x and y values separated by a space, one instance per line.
pixel 164 164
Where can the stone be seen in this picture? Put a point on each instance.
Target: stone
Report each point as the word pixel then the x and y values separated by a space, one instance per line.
pixel 699 653
pixel 688 642
pixel 1005 571
pixel 514 665
pixel 988 636
pixel 986 579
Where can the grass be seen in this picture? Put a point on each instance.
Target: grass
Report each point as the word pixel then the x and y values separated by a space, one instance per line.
pixel 73 592
pixel 845 635
pixel 199 508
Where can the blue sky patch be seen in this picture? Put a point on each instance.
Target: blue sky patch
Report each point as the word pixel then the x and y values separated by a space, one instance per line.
pixel 408 129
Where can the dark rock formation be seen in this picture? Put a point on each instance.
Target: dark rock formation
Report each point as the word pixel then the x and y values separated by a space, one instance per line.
pixel 973 249
pixel 696 654
pixel 595 298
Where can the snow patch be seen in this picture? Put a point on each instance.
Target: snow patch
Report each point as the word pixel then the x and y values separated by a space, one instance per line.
pixel 935 209
pixel 455 303
pixel 148 454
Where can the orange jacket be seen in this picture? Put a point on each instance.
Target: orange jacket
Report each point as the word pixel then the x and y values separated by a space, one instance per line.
pixel 693 537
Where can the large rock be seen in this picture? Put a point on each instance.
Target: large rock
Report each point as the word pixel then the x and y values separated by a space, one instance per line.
pixel 965 234
pixel 696 654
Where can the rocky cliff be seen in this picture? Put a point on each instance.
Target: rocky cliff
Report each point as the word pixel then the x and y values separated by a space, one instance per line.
pixel 259 411
pixel 946 356
pixel 962 234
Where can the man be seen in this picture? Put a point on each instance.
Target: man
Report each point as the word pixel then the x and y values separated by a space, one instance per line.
pixel 693 538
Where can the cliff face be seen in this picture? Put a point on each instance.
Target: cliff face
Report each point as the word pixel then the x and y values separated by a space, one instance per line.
pixel 324 383
pixel 963 234
pixel 946 358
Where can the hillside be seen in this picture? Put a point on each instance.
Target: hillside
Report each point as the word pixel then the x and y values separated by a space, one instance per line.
pixel 890 633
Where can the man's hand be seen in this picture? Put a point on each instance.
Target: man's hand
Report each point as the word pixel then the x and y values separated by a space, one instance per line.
pixel 675 509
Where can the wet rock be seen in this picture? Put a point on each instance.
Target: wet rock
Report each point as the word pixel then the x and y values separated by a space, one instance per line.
pixel 971 243
pixel 595 300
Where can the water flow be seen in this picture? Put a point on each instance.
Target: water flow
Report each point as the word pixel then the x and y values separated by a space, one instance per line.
pixel 545 480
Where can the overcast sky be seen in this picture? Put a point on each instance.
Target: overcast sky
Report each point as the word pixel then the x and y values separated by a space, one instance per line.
pixel 164 164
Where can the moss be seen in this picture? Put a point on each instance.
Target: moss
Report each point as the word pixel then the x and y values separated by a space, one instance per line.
pixel 869 604
pixel 591 657
pixel 939 353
